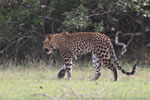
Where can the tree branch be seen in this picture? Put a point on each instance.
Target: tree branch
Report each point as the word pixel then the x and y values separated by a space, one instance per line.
pixel 124 46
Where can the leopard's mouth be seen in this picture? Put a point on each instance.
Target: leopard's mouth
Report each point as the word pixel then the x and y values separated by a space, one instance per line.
pixel 48 50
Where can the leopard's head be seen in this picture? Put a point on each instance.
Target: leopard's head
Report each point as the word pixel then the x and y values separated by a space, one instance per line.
pixel 50 43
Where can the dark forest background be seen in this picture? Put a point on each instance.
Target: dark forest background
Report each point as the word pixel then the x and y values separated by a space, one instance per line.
pixel 25 23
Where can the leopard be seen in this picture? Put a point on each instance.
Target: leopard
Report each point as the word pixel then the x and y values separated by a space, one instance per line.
pixel 72 45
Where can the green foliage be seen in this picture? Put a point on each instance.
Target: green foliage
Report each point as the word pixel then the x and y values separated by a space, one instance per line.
pixel 130 17
pixel 20 24
pixel 24 23
pixel 99 27
pixel 114 13
pixel 77 19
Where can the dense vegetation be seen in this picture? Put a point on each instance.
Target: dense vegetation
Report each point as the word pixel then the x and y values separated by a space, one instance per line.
pixel 24 24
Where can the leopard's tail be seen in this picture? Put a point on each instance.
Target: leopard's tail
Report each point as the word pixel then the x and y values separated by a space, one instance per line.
pixel 113 55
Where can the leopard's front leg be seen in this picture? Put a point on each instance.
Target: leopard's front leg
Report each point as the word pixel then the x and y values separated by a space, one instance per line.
pixel 62 72
pixel 67 65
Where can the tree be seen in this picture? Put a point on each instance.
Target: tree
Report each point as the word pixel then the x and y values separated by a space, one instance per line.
pixel 128 20
pixel 24 23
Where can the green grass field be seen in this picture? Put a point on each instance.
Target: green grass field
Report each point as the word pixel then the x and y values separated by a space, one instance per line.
pixel 41 83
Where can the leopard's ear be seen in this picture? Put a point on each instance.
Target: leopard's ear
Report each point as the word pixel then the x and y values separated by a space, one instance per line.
pixel 65 33
pixel 48 37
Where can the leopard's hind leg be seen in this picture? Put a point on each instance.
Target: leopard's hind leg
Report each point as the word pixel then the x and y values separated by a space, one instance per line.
pixel 107 62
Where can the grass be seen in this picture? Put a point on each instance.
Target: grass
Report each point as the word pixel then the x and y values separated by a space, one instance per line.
pixel 41 83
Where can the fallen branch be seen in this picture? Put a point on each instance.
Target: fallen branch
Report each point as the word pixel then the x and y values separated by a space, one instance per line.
pixel 62 95
pixel 46 95
pixel 74 93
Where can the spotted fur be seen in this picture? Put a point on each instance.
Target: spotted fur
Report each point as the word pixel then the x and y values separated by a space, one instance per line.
pixel 72 45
